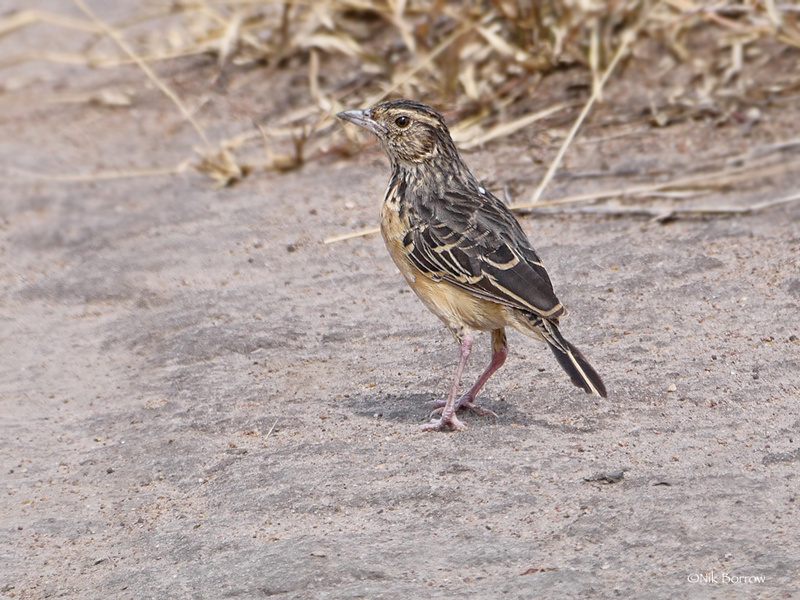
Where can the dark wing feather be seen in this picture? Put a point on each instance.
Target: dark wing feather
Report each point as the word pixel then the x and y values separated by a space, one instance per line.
pixel 472 240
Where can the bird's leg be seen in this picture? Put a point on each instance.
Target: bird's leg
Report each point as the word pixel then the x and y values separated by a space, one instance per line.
pixel 448 418
pixel 499 353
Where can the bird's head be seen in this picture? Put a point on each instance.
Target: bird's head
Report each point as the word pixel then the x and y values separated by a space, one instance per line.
pixel 410 132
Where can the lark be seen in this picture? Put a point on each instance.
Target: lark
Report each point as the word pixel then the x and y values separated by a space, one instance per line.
pixel 462 251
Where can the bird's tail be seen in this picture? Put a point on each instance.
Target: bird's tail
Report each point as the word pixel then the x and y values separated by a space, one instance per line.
pixel 572 361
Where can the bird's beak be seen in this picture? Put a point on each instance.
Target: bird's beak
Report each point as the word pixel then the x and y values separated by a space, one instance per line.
pixel 362 118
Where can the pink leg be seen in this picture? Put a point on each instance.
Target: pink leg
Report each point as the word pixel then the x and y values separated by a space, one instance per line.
pixel 499 353
pixel 448 418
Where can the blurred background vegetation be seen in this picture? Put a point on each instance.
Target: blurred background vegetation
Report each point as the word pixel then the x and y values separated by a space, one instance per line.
pixel 486 64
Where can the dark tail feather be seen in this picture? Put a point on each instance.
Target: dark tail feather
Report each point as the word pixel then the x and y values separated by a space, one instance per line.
pixel 573 362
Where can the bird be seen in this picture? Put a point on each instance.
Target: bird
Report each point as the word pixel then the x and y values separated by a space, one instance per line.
pixel 462 251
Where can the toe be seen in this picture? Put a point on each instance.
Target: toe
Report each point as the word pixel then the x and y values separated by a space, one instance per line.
pixel 443 424
pixel 482 412
pixel 468 405
pixel 437 411
pixel 435 404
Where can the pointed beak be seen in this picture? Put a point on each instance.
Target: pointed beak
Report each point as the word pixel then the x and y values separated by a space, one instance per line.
pixel 362 118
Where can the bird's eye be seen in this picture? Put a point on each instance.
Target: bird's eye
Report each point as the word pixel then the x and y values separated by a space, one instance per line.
pixel 402 121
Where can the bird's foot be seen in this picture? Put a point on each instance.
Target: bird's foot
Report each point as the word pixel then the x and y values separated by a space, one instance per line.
pixel 443 424
pixel 466 402
pixel 468 405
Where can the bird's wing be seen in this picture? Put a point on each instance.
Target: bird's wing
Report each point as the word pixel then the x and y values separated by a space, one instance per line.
pixel 472 240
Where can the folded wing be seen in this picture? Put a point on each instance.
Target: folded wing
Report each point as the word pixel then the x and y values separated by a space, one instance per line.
pixel 473 241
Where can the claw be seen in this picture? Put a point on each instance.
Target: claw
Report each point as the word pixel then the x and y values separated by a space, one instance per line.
pixel 443 424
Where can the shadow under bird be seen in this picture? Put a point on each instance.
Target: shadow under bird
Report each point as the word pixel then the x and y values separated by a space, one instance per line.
pixel 462 250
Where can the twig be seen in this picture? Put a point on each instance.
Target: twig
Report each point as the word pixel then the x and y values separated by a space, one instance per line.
pixel 25 18
pixel 424 62
pixel 765 150
pixel 702 180
pixel 627 38
pixel 507 128
pixel 114 35
pixel 669 214
pixel 30 177
pixel 269 433
pixel 724 178
pixel 349 236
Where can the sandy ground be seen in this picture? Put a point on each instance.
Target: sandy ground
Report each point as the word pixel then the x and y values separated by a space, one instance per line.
pixel 200 399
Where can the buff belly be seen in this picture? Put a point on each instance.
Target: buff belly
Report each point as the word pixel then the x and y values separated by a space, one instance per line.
pixel 453 305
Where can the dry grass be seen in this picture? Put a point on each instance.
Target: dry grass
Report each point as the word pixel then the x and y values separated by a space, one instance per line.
pixel 479 60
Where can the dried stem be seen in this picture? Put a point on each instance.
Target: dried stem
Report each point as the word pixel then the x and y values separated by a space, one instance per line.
pixel 118 39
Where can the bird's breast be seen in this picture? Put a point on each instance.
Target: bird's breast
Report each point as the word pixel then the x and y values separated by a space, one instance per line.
pixel 394 227
pixel 453 305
